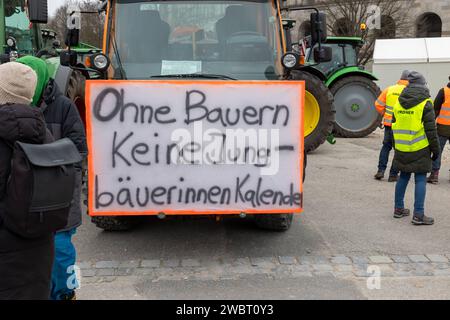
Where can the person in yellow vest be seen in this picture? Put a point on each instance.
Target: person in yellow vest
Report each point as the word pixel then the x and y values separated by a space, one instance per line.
pixel 416 145
pixel 385 106
pixel 442 112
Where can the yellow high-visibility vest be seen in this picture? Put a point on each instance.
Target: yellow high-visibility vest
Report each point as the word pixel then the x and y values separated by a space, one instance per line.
pixel 408 129
pixel 392 96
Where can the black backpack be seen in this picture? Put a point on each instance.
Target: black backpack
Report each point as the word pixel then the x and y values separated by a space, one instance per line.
pixel 40 187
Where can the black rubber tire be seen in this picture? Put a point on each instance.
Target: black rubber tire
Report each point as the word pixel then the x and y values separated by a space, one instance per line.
pixel 274 222
pixel 342 132
pixel 114 223
pixel 327 113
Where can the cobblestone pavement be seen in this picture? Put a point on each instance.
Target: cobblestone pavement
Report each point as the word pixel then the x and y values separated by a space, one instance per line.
pixel 338 266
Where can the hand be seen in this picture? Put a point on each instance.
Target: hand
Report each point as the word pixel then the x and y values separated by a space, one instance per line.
pixel 434 156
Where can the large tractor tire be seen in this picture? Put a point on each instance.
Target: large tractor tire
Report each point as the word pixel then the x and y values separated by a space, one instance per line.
pixel 319 110
pixel 114 223
pixel 274 222
pixel 356 116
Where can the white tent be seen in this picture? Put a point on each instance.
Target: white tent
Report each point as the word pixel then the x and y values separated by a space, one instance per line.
pixel 429 56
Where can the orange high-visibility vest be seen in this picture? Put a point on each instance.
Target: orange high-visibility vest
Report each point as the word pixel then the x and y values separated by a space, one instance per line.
pixel 392 96
pixel 444 114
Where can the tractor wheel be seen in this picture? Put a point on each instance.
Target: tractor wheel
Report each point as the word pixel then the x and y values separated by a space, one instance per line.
pixel 274 222
pixel 114 223
pixel 356 116
pixel 319 110
pixel 75 92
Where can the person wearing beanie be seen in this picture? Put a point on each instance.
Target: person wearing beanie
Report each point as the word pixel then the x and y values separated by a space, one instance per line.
pixel 385 107
pixel 63 121
pixel 442 113
pixel 416 145
pixel 25 264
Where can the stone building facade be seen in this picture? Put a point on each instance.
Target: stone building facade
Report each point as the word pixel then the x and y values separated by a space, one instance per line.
pixel 426 18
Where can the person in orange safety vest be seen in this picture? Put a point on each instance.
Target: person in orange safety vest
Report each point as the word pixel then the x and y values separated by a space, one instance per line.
pixel 385 106
pixel 442 112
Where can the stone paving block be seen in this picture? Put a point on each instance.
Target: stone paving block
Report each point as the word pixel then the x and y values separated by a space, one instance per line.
pixel 123 271
pixel 240 261
pixel 323 274
pixel 403 273
pixel 88 273
pixel 171 263
pixel 343 274
pixel 400 259
pixel 380 259
pixel 144 271
pixel 287 260
pixel 437 258
pixel 360 260
pixel 402 266
pixel 262 262
pixel 341 260
pixel 418 258
pixel 313 260
pixel 322 267
pixel 386 270
pixel 439 265
pixel 84 265
pixel 302 268
pixel 343 268
pixel 190 263
pixel 155 263
pixel 107 264
pixel 105 272
pixel 441 272
pixel 129 264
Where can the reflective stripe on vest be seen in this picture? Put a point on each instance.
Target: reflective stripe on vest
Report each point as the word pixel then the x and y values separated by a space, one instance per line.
pixel 408 129
pixel 391 100
pixel 444 114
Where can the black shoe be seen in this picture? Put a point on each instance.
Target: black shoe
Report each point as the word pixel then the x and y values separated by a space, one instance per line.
pixel 69 296
pixel 401 213
pixel 393 178
pixel 433 178
pixel 422 221
pixel 379 175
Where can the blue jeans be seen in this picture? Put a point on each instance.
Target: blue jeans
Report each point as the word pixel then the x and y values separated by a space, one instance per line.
pixel 388 143
pixel 419 194
pixel 64 280
pixel 437 163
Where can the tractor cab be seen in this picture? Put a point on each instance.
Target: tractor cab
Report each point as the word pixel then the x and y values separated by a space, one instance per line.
pixel 344 54
pixel 232 39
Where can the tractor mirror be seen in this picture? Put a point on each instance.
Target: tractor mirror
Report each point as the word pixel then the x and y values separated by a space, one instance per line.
pixel 68 58
pixel 324 54
pixel 318 27
pixel 38 11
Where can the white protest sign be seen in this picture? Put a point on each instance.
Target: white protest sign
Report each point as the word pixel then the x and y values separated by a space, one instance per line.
pixel 195 147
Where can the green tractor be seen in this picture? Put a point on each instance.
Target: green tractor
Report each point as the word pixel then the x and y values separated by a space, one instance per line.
pixel 21 34
pixel 353 88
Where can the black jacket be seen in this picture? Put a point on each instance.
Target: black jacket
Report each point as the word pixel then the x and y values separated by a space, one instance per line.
pixel 419 161
pixel 25 264
pixel 64 121
pixel 442 130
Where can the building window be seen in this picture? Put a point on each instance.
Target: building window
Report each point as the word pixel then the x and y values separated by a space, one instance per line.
pixel 388 28
pixel 429 25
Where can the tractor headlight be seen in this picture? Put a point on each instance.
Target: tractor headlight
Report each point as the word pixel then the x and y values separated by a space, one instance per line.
pixel 290 60
pixel 11 42
pixel 100 61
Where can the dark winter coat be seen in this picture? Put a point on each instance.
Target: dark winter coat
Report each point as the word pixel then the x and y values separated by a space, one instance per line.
pixel 419 161
pixel 64 121
pixel 25 264
pixel 442 130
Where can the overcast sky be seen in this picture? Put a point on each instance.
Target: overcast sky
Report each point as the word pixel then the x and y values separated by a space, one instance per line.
pixel 55 4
